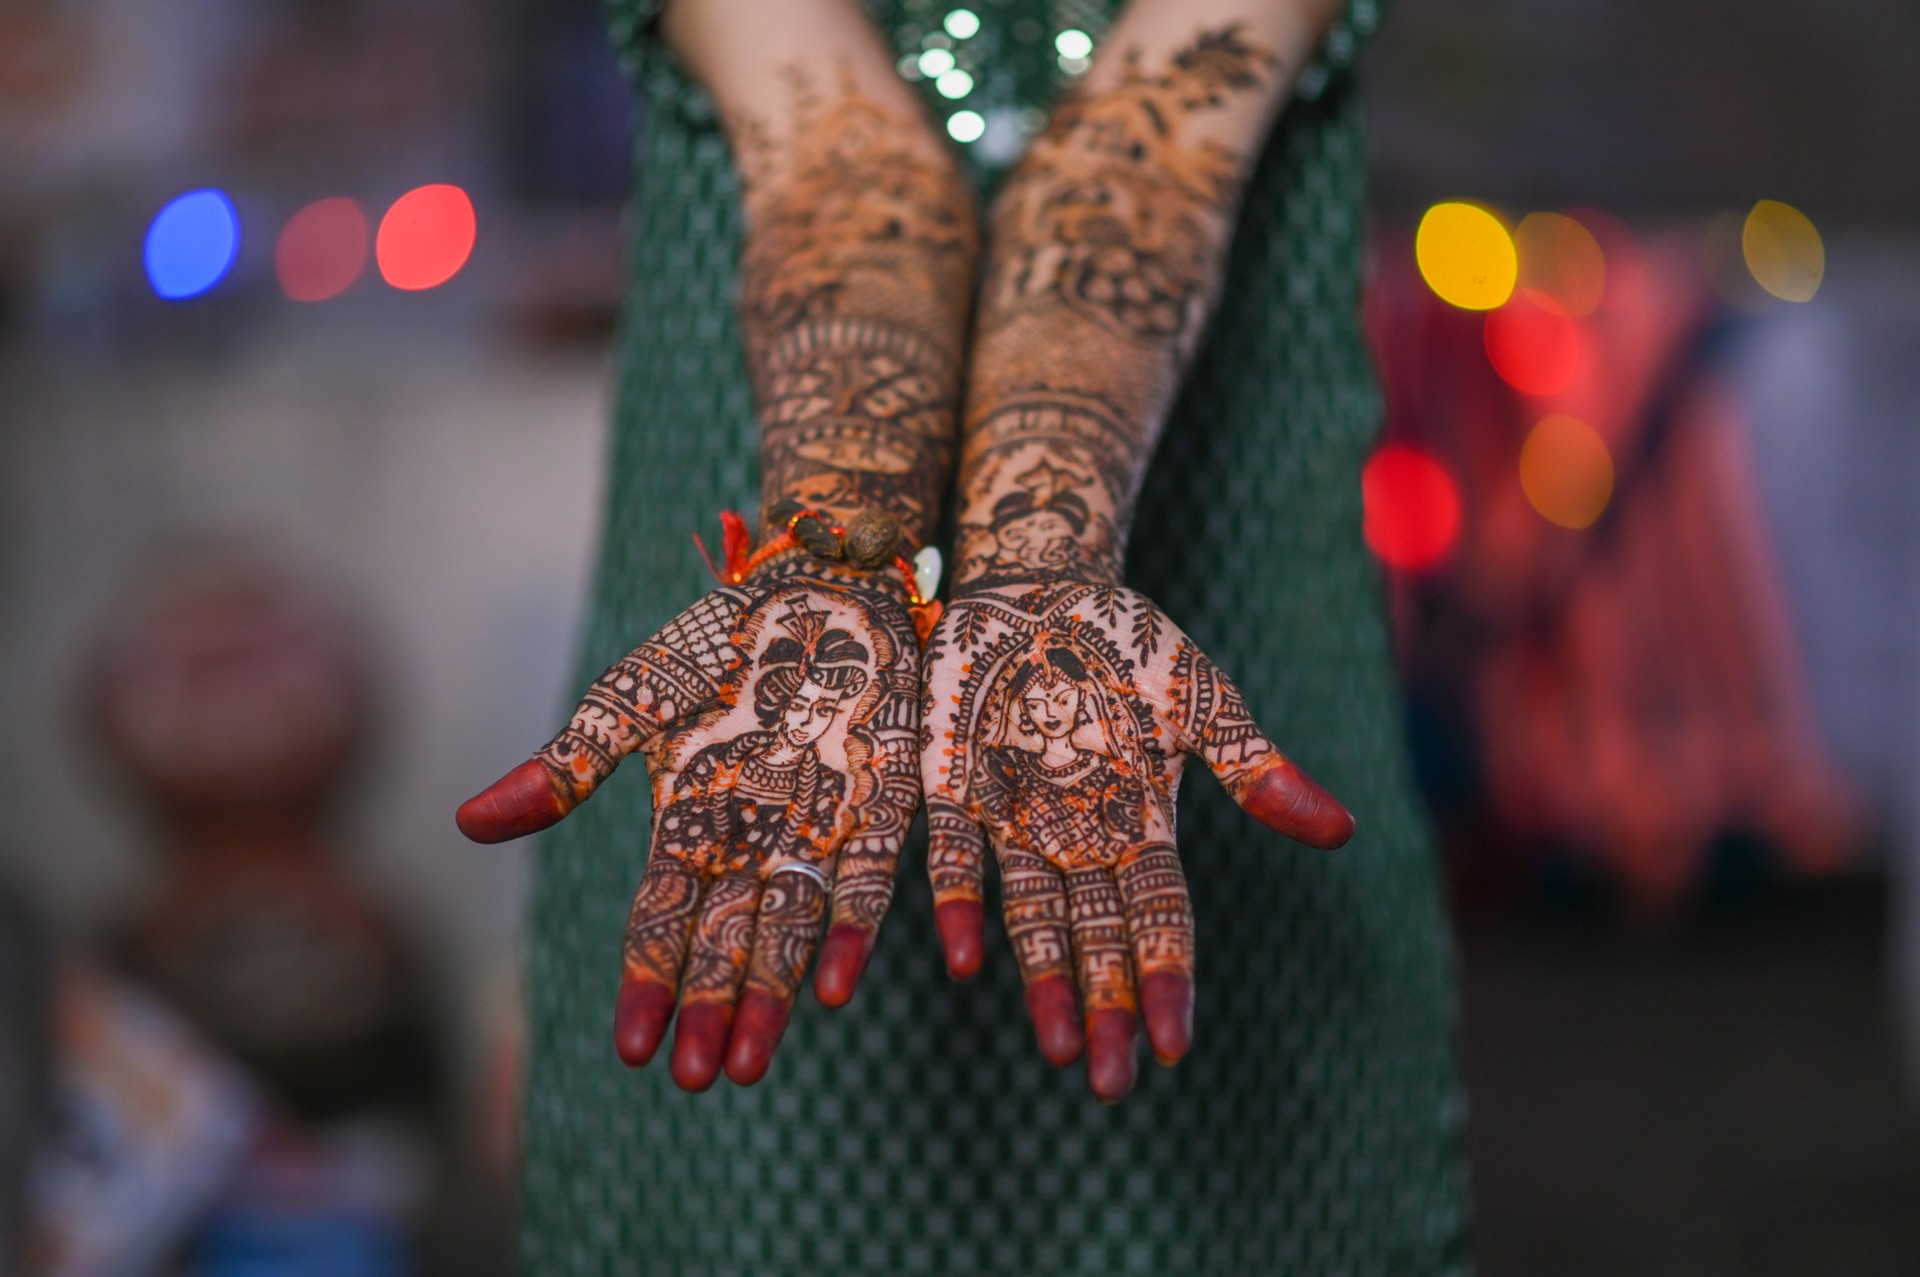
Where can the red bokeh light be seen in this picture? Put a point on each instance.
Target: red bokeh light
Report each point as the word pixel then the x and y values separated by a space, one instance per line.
pixel 1533 344
pixel 1412 507
pixel 426 237
pixel 321 250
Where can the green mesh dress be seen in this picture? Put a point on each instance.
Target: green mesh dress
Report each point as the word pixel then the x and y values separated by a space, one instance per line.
pixel 1315 1128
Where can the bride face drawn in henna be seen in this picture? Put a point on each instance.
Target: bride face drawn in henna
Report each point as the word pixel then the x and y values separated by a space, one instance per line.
pixel 807 678
pixel 1050 774
pixel 766 796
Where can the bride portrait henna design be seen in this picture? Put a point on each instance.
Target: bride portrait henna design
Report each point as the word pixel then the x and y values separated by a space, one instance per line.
pixel 1060 706
pixel 779 716
pixel 1056 723
pixel 778 720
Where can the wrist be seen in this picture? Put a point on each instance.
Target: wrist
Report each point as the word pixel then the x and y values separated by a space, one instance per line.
pixel 1023 542
pixel 795 566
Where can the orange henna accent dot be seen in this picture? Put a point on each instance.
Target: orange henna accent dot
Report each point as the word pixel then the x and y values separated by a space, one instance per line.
pixel 1287 799
pixel 1166 1003
pixel 640 1019
pixel 1056 1019
pixel 699 1042
pixel 962 926
pixel 843 960
pixel 757 1030
pixel 520 803
pixel 1110 1062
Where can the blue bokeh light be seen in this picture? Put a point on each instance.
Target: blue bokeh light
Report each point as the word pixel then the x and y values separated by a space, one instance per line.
pixel 191 243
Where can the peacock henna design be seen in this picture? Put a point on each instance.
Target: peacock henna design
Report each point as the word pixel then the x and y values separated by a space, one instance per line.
pixel 780 723
pixel 855 283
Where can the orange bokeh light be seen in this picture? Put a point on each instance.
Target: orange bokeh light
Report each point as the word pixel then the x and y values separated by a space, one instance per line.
pixel 1412 507
pixel 321 250
pixel 1533 344
pixel 1561 258
pixel 426 237
pixel 1566 471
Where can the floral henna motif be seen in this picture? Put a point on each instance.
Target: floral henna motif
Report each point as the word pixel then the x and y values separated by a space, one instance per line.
pixel 780 720
pixel 1056 720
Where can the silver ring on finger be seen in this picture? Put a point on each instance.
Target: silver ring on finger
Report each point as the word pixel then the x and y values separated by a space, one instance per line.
pixel 806 870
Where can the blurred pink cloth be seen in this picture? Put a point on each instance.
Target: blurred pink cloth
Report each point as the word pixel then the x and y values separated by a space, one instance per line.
pixel 1631 689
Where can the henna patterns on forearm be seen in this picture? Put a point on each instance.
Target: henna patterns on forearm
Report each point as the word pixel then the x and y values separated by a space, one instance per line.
pixel 1106 256
pixel 1118 211
pixel 779 717
pixel 855 283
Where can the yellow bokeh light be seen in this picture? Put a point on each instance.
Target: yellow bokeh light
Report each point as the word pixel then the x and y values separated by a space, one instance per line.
pixel 1783 250
pixel 1566 471
pixel 1561 258
pixel 1466 256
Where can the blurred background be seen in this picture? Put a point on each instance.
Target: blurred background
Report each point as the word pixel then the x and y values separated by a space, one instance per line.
pixel 305 311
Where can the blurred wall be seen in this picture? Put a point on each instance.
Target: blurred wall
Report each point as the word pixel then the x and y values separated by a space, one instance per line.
pixel 438 478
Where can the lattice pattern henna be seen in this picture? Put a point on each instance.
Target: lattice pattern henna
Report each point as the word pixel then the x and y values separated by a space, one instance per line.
pixel 1059 726
pixel 780 723
pixel 671 676
pixel 1361 1052
pixel 955 849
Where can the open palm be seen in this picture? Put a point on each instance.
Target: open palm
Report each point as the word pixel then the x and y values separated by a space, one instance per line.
pixel 778 720
pixel 1058 714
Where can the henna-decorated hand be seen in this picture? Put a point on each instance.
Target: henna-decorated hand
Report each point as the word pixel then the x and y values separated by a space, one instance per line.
pixel 1057 716
pixel 778 719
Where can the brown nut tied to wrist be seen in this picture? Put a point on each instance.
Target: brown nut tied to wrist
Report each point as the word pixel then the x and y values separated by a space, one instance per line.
pixel 780 512
pixel 874 539
pixel 816 538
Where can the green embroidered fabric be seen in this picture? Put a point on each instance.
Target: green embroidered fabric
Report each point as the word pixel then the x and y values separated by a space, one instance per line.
pixel 1315 1128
